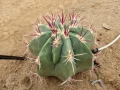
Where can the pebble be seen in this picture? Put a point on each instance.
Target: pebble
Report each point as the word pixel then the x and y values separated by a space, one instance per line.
pixel 117 68
pixel 20 66
pixel 61 6
pixel 106 26
pixel 5 66
pixel 110 50
pixel 5 33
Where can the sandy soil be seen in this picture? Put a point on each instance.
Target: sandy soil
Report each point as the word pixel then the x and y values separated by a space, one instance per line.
pixel 17 18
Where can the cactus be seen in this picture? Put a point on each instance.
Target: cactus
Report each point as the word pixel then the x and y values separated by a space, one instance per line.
pixel 63 48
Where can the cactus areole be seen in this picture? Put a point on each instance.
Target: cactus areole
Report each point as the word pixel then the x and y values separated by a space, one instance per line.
pixel 63 47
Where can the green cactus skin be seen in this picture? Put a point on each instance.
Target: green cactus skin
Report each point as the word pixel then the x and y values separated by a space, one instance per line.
pixel 63 49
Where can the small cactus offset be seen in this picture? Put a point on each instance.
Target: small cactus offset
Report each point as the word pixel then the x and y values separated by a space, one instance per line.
pixel 63 47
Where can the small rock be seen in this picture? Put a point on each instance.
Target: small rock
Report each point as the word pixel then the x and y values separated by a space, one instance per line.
pixel 20 66
pixel 61 6
pixel 5 66
pixel 117 68
pixel 110 50
pixel 106 26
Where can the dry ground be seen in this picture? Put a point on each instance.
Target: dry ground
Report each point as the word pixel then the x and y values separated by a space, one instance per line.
pixel 16 19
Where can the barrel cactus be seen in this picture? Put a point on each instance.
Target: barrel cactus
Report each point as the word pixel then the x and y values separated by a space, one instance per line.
pixel 62 46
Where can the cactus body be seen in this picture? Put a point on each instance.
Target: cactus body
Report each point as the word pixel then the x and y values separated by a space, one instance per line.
pixel 63 48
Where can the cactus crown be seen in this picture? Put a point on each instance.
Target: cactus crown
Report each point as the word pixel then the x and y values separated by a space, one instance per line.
pixel 63 48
